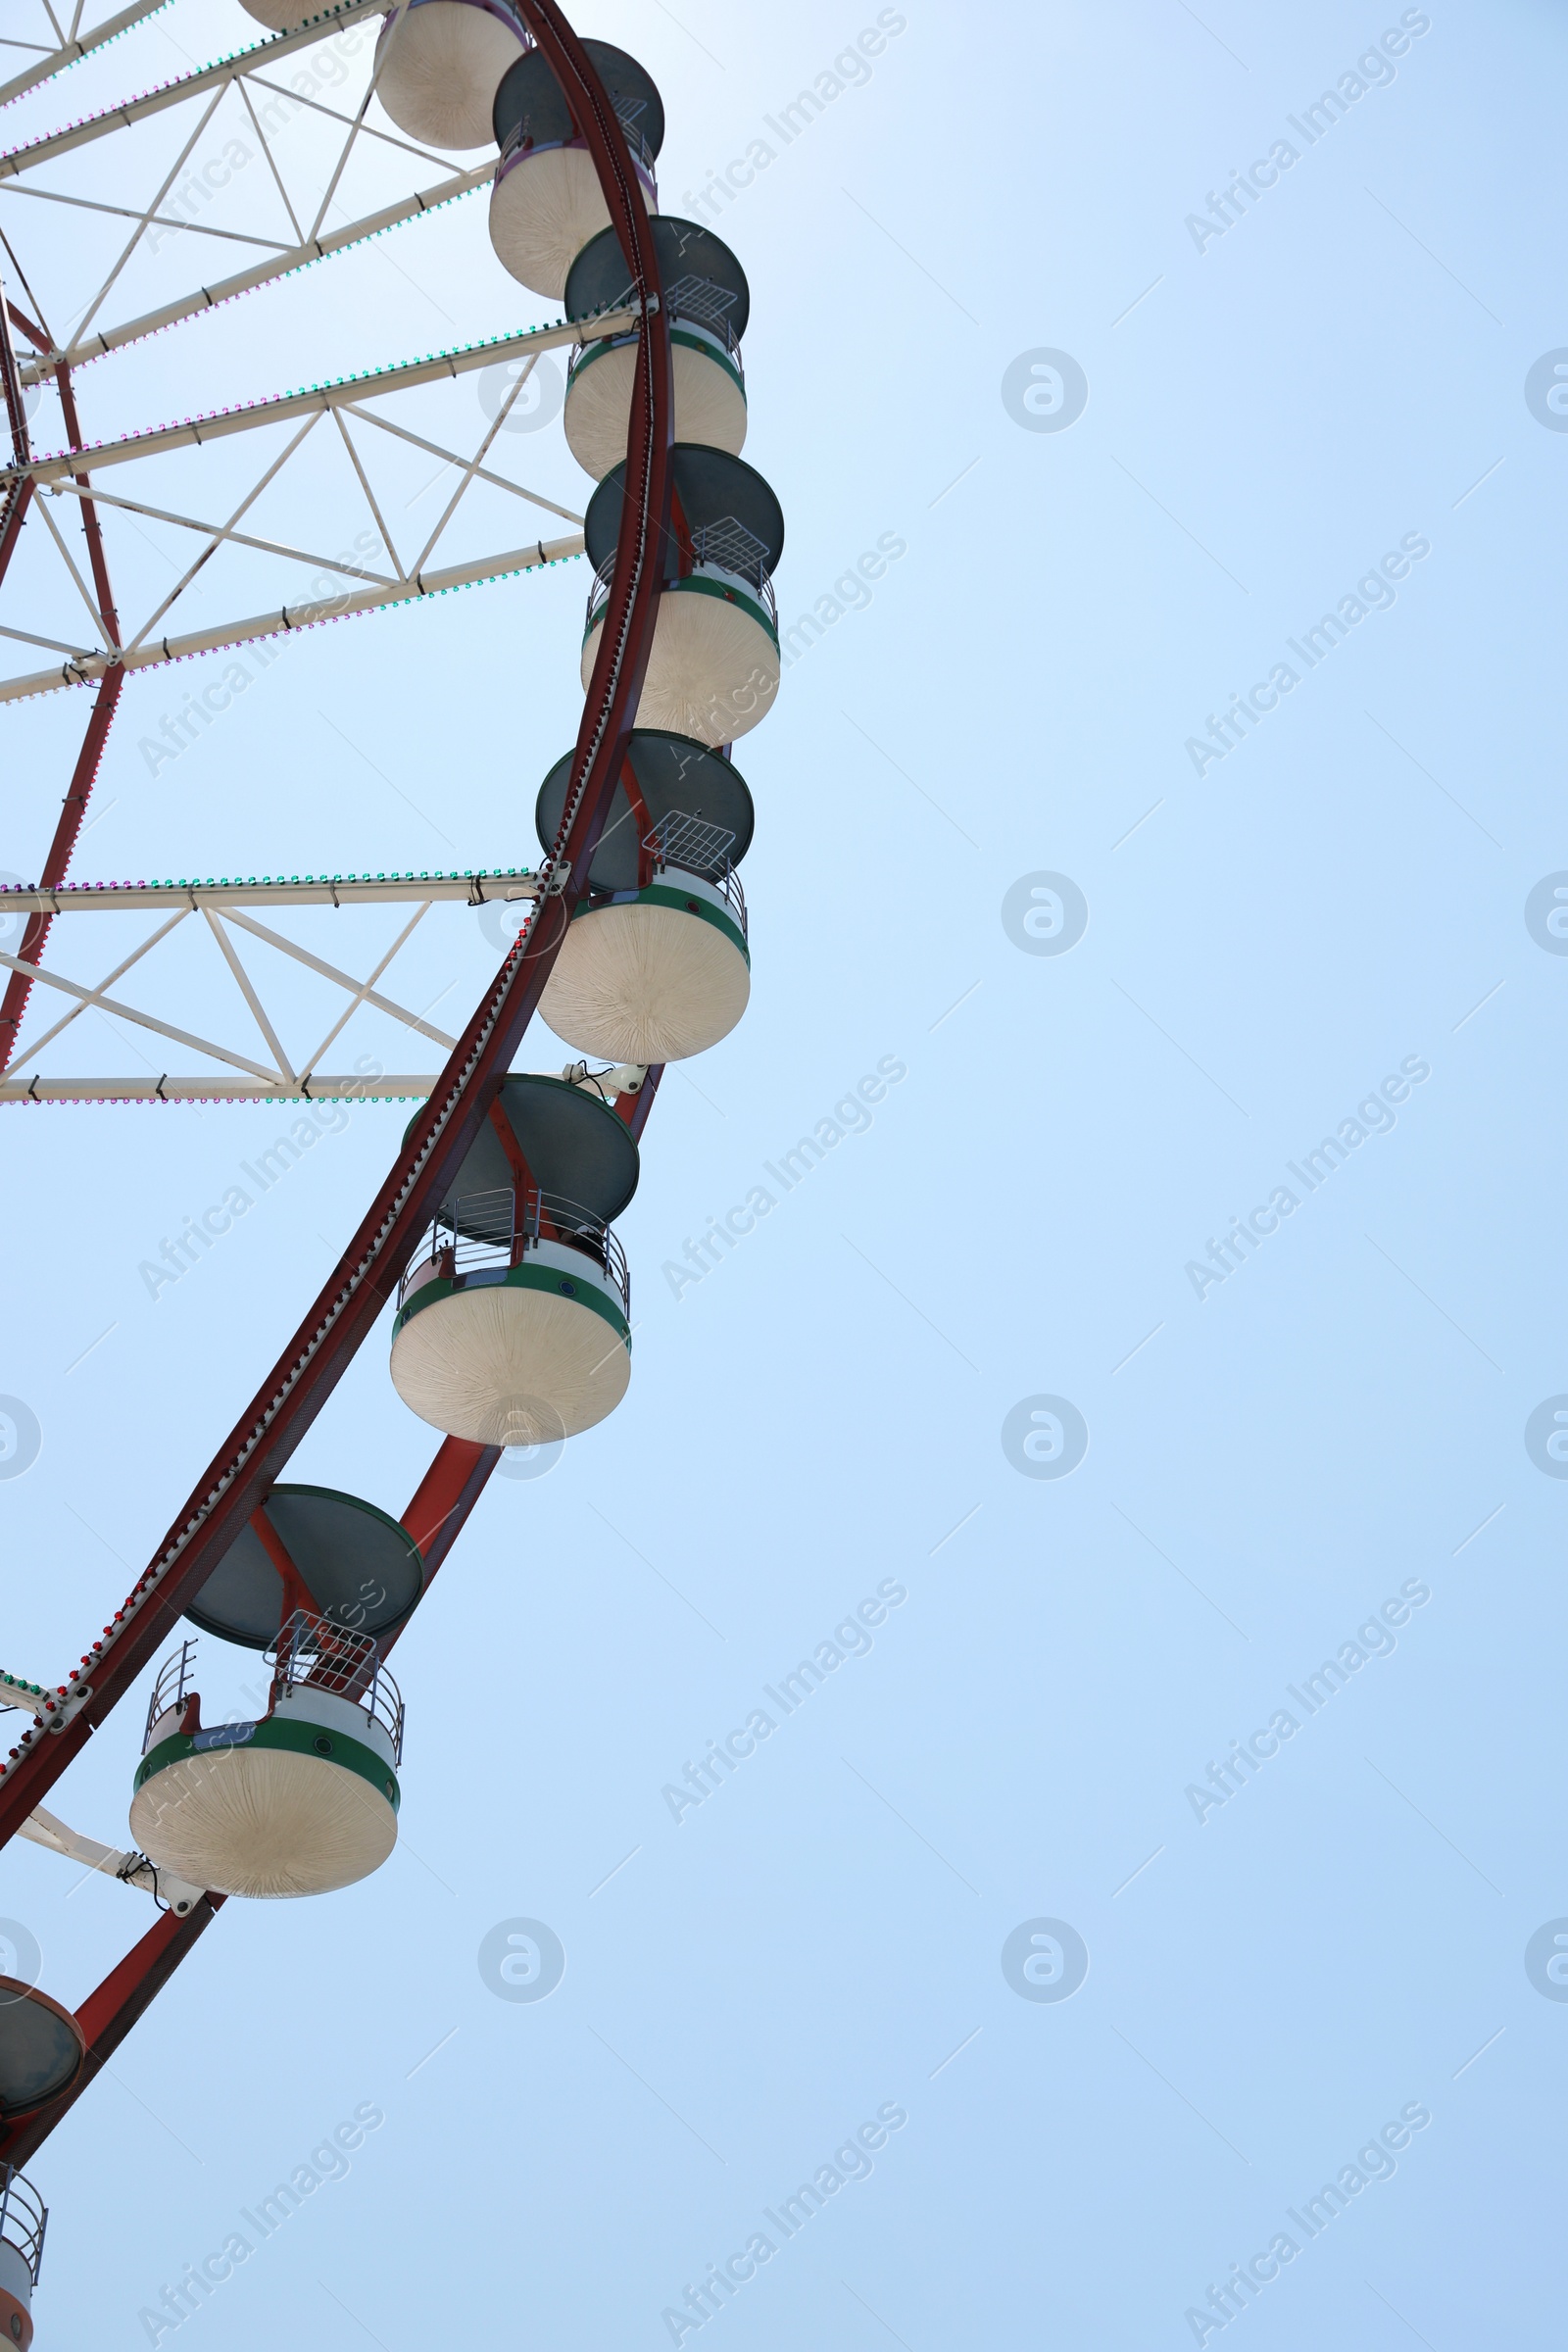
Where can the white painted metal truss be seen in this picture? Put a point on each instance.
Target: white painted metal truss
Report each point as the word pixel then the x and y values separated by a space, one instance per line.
pixel 250 1067
pixel 105 639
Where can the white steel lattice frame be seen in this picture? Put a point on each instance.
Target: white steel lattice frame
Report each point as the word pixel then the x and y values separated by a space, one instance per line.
pixel 111 647
pixel 223 907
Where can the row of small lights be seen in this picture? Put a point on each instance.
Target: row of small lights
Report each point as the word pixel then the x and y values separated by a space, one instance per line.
pixel 299 392
pixel 78 1687
pixel 51 1706
pixel 72 676
pixel 229 57
pixel 479 873
pixel 89 359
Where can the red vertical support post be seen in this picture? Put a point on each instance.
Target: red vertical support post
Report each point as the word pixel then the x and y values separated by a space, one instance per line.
pixel 19 987
pixel 346 1310
pixel 446 1495
pixel 107 2016
pixel 237 1480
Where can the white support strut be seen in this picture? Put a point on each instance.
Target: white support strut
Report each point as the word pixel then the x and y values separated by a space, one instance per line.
pixel 384 1087
pixel 57 61
pixel 317 399
pixel 477 888
pixel 91 665
pixel 189 85
pixel 130 1869
pixel 246 281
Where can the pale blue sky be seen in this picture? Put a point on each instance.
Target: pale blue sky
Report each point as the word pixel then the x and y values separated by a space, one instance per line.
pixel 1266 943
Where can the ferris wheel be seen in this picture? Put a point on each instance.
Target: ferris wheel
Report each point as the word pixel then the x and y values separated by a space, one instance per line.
pixel 492 1237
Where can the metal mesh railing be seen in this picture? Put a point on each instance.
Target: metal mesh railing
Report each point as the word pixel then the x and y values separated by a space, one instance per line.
pixel 24 2219
pixel 706 305
pixel 628 110
pixel 311 1653
pixel 723 546
pixel 479 1229
pixel 498 1229
pixel 695 847
pixel 733 548
pixel 697 300
pixel 174 1681
pixel 690 842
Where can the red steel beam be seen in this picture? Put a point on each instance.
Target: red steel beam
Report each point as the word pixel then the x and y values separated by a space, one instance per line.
pixel 19 987
pixel 348 1307
pixel 18 497
pixel 457 1477
pixel 441 1505
pixel 107 2016
pixel 446 1493
pixel 17 502
pixel 89 512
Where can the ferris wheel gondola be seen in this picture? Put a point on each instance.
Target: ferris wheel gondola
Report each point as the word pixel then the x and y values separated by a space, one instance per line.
pixel 657 965
pixel 496 1228
pixel 708 302
pixel 513 1323
pixel 439 64
pixel 547 200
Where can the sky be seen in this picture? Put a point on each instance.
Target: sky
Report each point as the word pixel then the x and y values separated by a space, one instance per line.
pixel 1111 1494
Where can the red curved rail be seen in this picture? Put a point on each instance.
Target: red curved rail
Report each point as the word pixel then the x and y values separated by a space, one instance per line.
pixel 344 1313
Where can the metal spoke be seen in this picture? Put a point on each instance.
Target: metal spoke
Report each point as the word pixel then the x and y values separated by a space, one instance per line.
pixel 469 470
pixel 218 530
pixel 56 60
pixel 426 155
pixel 40 508
pixel 320 27
pixel 370 495
pixel 21 276
pixel 293 616
pixel 179 166
pixel 211 548
pixel 231 958
pixel 37 1045
pixel 341 165
pixel 129 1013
pixel 314 400
pixel 52 644
pixel 498 481
pixel 125 212
pixel 390 1085
pixel 261 274
pixel 329 971
pixel 480 888
pixel 255 121
pixel 361 993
